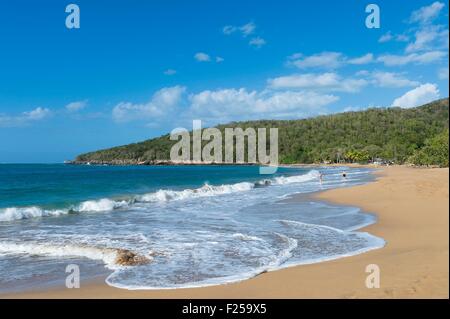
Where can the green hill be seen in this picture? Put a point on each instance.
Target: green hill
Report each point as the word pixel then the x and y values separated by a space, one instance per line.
pixel 390 133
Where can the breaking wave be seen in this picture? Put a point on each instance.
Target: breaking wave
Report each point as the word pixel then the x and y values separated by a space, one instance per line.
pixel 282 180
pixel 101 205
pixel 113 258
pixel 16 213
pixel 107 205
pixel 204 191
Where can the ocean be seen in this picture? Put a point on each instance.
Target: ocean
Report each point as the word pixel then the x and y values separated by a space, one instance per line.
pixel 183 226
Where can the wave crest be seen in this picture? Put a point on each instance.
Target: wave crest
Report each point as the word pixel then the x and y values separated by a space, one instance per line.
pixel 16 213
pixel 311 175
pixel 204 191
pixel 101 205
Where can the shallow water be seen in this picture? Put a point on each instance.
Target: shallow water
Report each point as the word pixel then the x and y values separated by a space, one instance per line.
pixel 197 225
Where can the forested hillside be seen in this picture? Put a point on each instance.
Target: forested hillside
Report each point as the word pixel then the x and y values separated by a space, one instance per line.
pixel 400 135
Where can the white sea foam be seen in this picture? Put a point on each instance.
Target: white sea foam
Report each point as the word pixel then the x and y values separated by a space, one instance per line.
pixel 311 175
pixel 17 213
pixel 107 255
pixel 204 191
pixel 209 190
pixel 286 253
pixel 373 243
pixel 246 237
pixel 275 263
pixel 101 205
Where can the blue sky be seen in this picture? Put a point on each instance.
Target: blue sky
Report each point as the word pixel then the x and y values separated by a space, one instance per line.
pixel 135 69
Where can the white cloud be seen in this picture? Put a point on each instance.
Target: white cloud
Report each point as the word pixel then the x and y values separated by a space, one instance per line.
pixel 229 29
pixel 24 118
pixel 248 29
pixel 245 30
pixel 362 73
pixel 391 80
pixel 76 106
pixel 443 73
pixel 333 82
pixel 417 58
pixel 323 81
pixel 422 94
pixel 238 104
pixel 427 14
pixel 368 58
pixel 401 38
pixel 170 72
pixel 257 42
pixel 202 57
pixel 174 104
pixel 295 56
pixel 423 37
pixel 38 113
pixel 429 38
pixel 162 103
pixel 388 36
pixel 328 60
pixel 352 109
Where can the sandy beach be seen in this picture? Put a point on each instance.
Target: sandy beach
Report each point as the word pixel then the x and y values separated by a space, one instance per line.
pixel 413 218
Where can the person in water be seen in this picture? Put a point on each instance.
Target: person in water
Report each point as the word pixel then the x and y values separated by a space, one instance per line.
pixel 321 178
pixel 344 175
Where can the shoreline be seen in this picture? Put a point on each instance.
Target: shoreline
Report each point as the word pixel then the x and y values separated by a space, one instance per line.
pixel 410 267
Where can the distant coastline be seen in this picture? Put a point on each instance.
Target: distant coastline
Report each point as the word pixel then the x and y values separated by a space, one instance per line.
pixel 152 163
pixel 392 135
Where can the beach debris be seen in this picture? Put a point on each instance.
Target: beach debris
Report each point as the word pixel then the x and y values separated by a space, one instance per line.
pixel 126 257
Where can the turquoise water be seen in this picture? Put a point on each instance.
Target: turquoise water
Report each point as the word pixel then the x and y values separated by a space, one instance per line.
pixel 192 225
pixel 60 185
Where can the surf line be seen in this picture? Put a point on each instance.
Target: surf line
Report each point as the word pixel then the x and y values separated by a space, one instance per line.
pixel 193 309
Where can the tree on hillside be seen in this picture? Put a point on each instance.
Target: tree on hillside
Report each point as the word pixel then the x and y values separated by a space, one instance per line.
pixel 435 151
pixel 393 134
